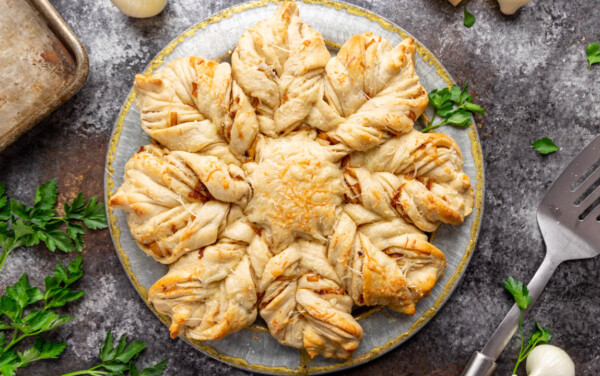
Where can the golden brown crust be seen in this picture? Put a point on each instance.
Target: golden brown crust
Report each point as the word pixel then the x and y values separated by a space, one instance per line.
pixel 280 63
pixel 297 189
pixel 304 305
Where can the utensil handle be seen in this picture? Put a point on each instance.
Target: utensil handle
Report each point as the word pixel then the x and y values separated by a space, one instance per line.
pixel 509 325
pixel 480 365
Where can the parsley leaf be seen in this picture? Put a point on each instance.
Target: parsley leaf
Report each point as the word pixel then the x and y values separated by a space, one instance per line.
pixel 545 146
pixel 17 314
pixel 455 105
pixel 519 292
pixel 9 362
pixel 593 54
pixel 22 225
pixel 40 350
pixel 9 307
pixel 155 370
pixel 469 18
pixel 121 359
pixel 57 287
pixel 45 196
pixel 474 108
pixel 24 294
pixel 455 94
pixel 4 207
pixel 460 118
pixel 539 336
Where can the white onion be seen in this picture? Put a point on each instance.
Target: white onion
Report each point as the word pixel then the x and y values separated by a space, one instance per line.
pixel 548 360
pixel 140 8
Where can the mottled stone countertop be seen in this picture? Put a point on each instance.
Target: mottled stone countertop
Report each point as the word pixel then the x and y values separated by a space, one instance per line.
pixel 529 71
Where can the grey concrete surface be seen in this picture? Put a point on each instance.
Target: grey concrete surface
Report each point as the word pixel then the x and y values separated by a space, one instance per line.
pixel 528 70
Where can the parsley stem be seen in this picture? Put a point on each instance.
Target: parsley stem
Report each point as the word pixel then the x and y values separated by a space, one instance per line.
pixel 13 342
pixel 528 350
pixel 432 119
pixel 16 339
pixel 92 371
pixel 519 359
pixel 5 253
pixel 431 127
pixel 3 257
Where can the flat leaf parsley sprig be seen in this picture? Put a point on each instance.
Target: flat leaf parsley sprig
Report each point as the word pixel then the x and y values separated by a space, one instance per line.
pixel 454 105
pixel 22 297
pixel 27 226
pixel 18 313
pixel 539 336
pixel 119 360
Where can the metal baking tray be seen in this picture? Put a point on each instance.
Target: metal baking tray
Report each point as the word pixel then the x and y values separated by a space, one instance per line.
pixel 42 64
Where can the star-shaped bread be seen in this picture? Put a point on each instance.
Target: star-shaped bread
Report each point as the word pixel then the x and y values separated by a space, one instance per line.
pixel 290 184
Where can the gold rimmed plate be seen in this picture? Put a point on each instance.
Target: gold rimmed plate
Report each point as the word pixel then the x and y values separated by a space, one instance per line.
pixel 254 348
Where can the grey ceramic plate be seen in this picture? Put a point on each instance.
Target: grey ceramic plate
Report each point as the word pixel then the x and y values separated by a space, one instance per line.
pixel 254 348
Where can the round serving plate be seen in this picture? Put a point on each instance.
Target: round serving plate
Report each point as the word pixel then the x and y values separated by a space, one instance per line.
pixel 254 348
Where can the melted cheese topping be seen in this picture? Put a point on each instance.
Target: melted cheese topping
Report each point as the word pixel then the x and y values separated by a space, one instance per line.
pixel 297 189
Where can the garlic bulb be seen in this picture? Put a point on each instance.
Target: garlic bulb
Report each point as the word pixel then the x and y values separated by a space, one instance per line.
pixel 511 6
pixel 140 8
pixel 548 360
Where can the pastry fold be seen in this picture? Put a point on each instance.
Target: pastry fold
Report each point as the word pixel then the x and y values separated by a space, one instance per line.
pixel 280 64
pixel 193 105
pixel 372 92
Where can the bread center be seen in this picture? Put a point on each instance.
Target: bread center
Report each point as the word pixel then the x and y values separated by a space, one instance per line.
pixel 298 185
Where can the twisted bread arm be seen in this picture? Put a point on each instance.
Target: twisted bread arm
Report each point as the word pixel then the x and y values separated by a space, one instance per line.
pixel 387 262
pixel 430 186
pixel 169 208
pixel 168 103
pixel 224 182
pixel 304 304
pixel 372 92
pixel 210 293
pixel 244 128
pixel 192 103
pixel 279 63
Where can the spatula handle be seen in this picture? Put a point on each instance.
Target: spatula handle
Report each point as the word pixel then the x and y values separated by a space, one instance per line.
pixel 483 364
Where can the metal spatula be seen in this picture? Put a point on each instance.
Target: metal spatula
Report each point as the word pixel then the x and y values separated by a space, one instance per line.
pixel 569 218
